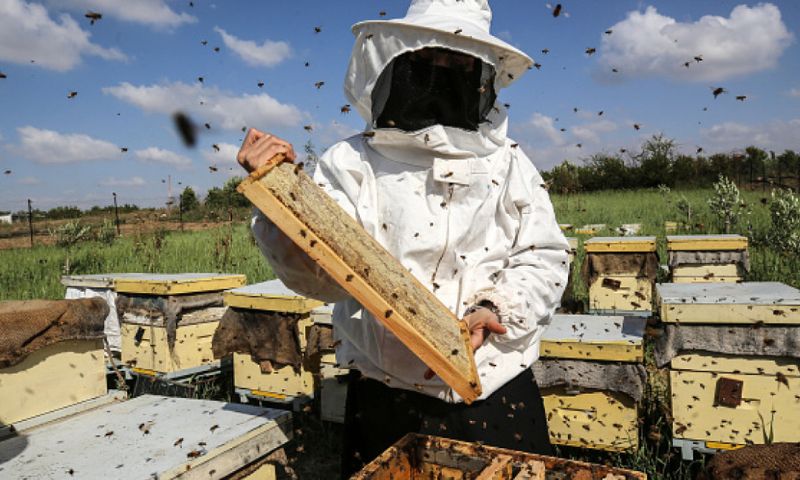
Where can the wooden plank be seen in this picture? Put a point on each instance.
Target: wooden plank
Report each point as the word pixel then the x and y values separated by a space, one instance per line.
pixel 357 262
pixel 765 404
pixel 225 436
pixel 687 243
pixel 53 377
pixel 177 284
pixel 620 244
pixel 271 296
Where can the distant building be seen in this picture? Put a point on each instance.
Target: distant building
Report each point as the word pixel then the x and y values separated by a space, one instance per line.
pixel 6 218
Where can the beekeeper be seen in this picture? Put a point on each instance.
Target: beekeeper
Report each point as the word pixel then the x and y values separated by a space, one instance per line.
pixel 436 181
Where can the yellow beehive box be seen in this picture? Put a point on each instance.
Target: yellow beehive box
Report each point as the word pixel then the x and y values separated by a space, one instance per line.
pixel 146 350
pixel 590 417
pixel 176 284
pixel 621 291
pixel 52 377
pixel 282 383
pixel 573 248
pixel 753 303
pixel 591 229
pixel 725 400
pixel 670 227
pixel 707 258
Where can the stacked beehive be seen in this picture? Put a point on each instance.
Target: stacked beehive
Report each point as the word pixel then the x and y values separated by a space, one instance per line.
pixel 288 339
pixel 168 321
pixel 620 273
pixel 592 376
pixel 734 363
pixel 51 356
pixel 707 258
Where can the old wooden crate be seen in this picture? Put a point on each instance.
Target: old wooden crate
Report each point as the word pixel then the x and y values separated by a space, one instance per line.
pixel 627 288
pixel 707 258
pixel 151 436
pixel 364 268
pixel 282 384
pixel 579 415
pixel 153 307
pixel 50 378
pixel 749 303
pixel 421 457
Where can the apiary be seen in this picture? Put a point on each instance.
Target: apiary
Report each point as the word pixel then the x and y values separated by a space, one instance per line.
pixel 99 285
pixel 51 356
pixel 267 329
pixel 620 273
pixel 734 363
pixel 151 436
pixel 168 320
pixel 423 457
pixel 591 376
pixel 707 258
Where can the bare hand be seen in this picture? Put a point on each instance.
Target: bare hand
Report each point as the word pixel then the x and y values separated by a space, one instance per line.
pixel 259 147
pixel 481 323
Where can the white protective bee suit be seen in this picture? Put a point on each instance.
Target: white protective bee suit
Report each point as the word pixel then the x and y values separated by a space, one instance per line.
pixel 465 211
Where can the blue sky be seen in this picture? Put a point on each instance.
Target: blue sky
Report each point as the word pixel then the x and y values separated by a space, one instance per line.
pixel 142 61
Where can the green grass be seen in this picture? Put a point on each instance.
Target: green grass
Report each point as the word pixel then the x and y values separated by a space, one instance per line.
pixel 35 273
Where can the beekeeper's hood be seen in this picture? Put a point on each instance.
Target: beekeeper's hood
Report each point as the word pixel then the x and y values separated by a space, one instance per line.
pixel 457 25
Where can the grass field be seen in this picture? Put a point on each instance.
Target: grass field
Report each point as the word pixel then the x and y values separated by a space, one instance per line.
pixel 34 273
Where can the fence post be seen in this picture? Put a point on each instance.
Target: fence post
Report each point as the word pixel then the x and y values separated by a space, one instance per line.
pixel 30 220
pixel 116 213
pixel 180 210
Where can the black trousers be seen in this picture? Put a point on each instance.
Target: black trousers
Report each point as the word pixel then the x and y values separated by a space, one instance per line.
pixel 376 416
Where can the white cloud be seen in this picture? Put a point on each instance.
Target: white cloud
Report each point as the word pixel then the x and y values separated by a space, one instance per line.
pixel 590 132
pixel 226 154
pixel 49 147
pixel 123 182
pixel 268 54
pixel 795 92
pixel 29 181
pixel 777 135
pixel 650 44
pixel 167 157
pixel 209 104
pixel 540 127
pixel 327 134
pixel 155 13
pixel 28 33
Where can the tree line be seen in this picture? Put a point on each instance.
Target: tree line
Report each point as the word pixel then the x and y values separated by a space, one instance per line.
pixel 659 163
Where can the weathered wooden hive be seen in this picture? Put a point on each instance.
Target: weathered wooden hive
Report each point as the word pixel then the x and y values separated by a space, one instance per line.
pixel 51 356
pixel 707 258
pixel 592 377
pixel 168 320
pixel 734 363
pixel 422 457
pixel 150 437
pixel 620 273
pixel 99 285
pixel 267 329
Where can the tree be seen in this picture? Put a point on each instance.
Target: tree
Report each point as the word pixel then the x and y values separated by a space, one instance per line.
pixel 655 162
pixel 189 200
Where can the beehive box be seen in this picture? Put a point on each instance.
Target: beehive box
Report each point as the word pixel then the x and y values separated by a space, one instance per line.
pixel 154 437
pixel 603 419
pixel 591 229
pixel 50 378
pixel 98 285
pixel 332 377
pixel 194 298
pixel 421 457
pixel 628 288
pixel 725 400
pixel 707 258
pixel 284 383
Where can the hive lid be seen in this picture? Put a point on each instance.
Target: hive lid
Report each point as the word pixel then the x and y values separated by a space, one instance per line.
pixel 594 337
pixel 178 283
pixel 270 296
pixel 620 244
pixel 98 280
pixel 706 242
pixel 747 302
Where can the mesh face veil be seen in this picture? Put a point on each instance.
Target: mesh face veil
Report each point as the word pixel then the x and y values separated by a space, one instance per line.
pixel 434 86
